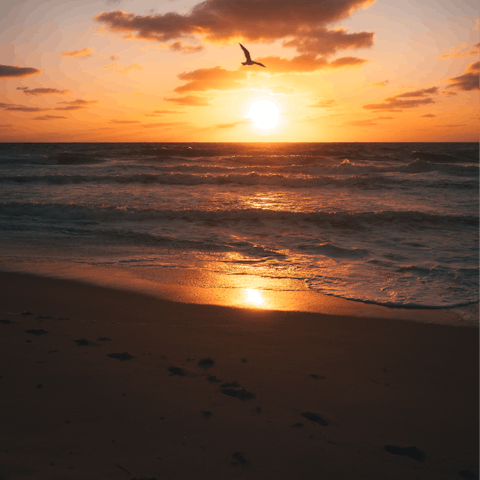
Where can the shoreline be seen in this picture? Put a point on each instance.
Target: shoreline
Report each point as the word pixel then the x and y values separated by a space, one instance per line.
pixel 307 395
pixel 201 287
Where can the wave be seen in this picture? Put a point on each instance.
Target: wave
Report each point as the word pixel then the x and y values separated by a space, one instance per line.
pixel 296 180
pixel 342 219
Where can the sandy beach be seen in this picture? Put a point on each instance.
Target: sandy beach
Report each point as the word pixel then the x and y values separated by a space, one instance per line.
pixel 106 384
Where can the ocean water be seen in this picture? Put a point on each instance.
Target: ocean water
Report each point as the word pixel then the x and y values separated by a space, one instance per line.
pixel 394 224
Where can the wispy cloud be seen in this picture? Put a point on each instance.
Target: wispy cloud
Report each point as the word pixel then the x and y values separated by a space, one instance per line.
pixel 48 117
pixel 189 100
pixel 75 104
pixel 411 99
pixel 371 122
pixel 157 113
pixel 13 71
pixel 324 104
pixel 380 84
pixel 125 122
pixel 21 108
pixel 43 91
pixel 468 81
pixel 165 124
pixel 428 115
pixel 233 124
pixel 84 52
pixel 128 68
pixel 460 51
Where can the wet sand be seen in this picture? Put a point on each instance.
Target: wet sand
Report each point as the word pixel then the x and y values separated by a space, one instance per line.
pixel 105 384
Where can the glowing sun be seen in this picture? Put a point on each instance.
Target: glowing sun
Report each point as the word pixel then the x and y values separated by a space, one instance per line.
pixel 264 114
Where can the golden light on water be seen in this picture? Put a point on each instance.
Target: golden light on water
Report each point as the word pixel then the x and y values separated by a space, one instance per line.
pixel 253 297
pixel 264 114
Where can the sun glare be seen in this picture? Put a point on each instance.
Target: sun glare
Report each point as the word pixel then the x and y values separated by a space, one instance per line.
pixel 264 114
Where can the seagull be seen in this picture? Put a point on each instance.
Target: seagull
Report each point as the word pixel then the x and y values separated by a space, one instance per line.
pixel 249 60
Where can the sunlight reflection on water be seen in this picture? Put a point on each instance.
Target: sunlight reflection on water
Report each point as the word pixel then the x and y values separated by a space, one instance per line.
pixel 254 297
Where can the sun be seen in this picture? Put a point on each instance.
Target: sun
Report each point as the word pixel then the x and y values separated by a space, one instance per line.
pixel 264 114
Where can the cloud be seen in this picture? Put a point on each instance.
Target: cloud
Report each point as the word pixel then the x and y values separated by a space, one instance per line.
pixel 459 52
pixel 428 115
pixel 234 124
pixel 189 100
pixel 75 104
pixel 48 117
pixel 80 102
pixel 12 71
pixel 183 48
pixel 43 91
pixel 157 113
pixel 324 104
pixel 165 124
pixel 21 108
pixel 128 68
pixel 124 121
pixel 468 81
pixel 301 24
pixel 281 90
pixel 361 123
pixel 366 123
pixel 85 52
pixel 424 92
pixel 414 99
pixel 307 63
pixel 216 78
pixel 324 42
pixel 380 84
pixel 5 125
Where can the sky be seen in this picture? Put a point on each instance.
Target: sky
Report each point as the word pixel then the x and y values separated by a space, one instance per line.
pixel 171 71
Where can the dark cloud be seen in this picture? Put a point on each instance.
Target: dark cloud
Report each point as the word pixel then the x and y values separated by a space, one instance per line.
pixel 48 117
pixel 183 48
pixel 75 104
pixel 189 100
pixel 84 52
pixel 43 91
pixel 301 24
pixel 21 108
pixel 412 99
pixel 325 42
pixel 468 81
pixel 12 71
pixel 424 92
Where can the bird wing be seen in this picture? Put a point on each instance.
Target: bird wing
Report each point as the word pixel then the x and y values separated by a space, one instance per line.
pixel 261 64
pixel 246 52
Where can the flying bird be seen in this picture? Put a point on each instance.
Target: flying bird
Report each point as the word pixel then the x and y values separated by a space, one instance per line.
pixel 249 60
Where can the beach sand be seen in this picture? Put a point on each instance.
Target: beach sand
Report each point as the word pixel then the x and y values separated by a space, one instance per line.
pixel 278 395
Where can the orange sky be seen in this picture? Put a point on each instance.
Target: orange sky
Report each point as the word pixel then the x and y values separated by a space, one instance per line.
pixel 337 70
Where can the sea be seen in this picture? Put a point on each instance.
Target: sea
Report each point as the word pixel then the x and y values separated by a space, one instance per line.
pixel 391 224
